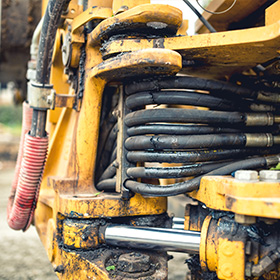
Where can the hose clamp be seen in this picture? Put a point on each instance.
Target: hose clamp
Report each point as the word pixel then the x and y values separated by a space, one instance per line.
pixel 41 96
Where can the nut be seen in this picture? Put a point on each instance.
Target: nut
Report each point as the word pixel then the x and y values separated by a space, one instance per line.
pixel 133 262
pixel 248 248
pixel 270 175
pixel 248 269
pixel 246 175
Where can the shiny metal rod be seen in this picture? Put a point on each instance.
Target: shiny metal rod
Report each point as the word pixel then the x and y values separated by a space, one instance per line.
pixel 178 223
pixel 153 238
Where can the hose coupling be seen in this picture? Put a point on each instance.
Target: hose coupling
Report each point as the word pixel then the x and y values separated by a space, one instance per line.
pixel 41 96
pixel 259 119
pixel 259 139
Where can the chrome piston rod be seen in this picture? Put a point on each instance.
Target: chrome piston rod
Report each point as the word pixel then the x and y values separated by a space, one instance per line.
pixel 153 238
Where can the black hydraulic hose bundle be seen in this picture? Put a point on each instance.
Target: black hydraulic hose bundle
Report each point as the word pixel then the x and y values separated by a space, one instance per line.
pixel 227 135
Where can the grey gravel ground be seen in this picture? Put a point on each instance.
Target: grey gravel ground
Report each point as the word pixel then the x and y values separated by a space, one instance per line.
pixel 22 256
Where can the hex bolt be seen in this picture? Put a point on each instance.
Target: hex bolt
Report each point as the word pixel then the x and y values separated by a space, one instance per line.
pixel 270 175
pixel 248 269
pixel 246 175
pixel 133 262
pixel 248 248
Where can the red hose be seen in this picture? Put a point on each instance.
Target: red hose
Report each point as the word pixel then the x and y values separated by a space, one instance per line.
pixel 29 170
pixel 26 126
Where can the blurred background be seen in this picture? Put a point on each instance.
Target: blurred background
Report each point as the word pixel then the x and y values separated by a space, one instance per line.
pixel 22 256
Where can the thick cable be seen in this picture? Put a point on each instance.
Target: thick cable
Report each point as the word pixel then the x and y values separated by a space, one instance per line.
pixel 183 116
pixel 217 88
pixel 179 98
pixel 110 171
pixel 177 129
pixel 173 172
pixel 184 141
pixel 106 185
pixel 191 156
pixel 193 184
pixel 47 38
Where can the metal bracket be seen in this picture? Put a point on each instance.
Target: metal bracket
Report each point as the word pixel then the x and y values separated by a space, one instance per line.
pixel 41 96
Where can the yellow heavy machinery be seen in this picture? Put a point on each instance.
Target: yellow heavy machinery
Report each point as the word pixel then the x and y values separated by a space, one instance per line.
pixel 125 110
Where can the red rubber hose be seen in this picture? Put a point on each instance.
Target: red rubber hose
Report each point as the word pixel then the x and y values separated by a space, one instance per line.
pixel 24 194
pixel 26 126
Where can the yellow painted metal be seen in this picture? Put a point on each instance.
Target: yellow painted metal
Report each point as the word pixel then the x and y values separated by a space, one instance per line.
pixel 80 235
pixel 59 80
pixel 138 15
pixel 74 9
pixel 216 54
pixel 272 13
pixel 78 267
pixel 247 198
pixel 91 206
pixel 67 188
pixel 221 254
pixel 204 245
pixel 231 259
pixel 183 28
pixel 100 3
pixel 91 13
pixel 77 31
pixel 127 4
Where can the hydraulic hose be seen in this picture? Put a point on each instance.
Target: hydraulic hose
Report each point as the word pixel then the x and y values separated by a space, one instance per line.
pixel 199 116
pixel 26 126
pixel 193 184
pixel 24 196
pixel 204 142
pixel 179 98
pixel 217 88
pixel 200 141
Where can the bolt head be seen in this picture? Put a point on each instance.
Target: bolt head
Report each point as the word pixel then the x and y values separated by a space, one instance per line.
pixel 134 262
pixel 270 175
pixel 246 175
pixel 248 269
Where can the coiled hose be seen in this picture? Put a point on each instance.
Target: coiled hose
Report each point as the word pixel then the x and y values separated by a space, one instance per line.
pixel 230 135
pixel 34 144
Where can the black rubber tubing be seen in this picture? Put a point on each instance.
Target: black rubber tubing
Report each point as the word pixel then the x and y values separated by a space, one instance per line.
pixel 193 184
pixel 47 38
pixel 188 82
pixel 193 156
pixel 177 129
pixel 188 129
pixel 106 185
pixel 179 98
pixel 173 172
pixel 109 172
pixel 183 116
pixel 218 88
pixel 185 142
